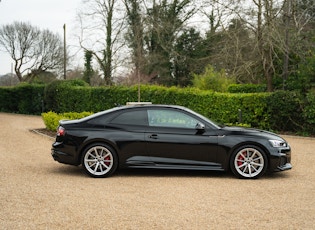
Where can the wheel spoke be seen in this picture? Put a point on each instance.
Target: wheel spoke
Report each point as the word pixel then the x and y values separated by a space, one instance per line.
pixel 257 164
pixel 247 152
pixel 101 152
pixel 249 170
pixel 244 169
pixel 91 155
pixel 242 165
pixel 102 163
pixel 255 169
pixel 253 153
pixel 258 158
pixel 96 152
pixel 91 160
pixel 107 155
pixel 96 167
pixel 93 164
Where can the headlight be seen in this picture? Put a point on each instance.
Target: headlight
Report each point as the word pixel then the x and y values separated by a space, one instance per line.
pixel 278 143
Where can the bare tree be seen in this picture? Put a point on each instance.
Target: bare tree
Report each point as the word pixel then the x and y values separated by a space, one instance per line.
pixel 165 22
pixel 50 52
pixel 31 49
pixel 101 28
pixel 229 43
pixel 217 13
pixel 135 39
pixel 267 14
pixel 259 51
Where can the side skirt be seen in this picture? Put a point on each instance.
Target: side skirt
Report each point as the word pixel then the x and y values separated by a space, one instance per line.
pixel 169 163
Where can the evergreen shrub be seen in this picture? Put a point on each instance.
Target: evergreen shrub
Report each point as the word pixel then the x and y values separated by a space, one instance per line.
pixel 51 119
pixel 247 88
pixel 24 98
pixel 278 111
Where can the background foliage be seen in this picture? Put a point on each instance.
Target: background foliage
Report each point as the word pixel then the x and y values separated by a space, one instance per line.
pixel 51 119
pixel 278 111
pixel 24 98
pixel 170 42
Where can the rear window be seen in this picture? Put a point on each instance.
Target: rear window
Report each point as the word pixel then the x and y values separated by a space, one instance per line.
pixel 138 117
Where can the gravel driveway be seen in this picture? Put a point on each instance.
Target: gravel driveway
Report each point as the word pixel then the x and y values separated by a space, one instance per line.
pixel 38 193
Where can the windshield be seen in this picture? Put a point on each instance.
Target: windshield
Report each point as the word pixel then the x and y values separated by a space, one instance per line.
pixel 213 123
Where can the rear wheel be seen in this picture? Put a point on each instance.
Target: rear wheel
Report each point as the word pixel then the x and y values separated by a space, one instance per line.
pixel 249 162
pixel 99 160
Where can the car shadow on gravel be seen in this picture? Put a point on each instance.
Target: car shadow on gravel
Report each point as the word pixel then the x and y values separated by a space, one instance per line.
pixel 170 173
pixel 77 171
pixel 276 175
pixel 190 173
pixel 67 170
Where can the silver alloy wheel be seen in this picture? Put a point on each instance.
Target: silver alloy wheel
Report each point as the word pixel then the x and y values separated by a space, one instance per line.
pixel 98 160
pixel 249 162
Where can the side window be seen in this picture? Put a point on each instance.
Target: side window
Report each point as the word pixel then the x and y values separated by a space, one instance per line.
pixel 171 118
pixel 131 118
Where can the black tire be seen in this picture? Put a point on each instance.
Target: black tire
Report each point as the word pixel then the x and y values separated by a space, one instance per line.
pixel 249 162
pixel 99 160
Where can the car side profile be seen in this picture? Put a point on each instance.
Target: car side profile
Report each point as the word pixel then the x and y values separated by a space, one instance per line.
pixel 166 137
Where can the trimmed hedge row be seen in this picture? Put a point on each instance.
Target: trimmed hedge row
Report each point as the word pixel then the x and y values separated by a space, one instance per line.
pixel 247 88
pixel 51 119
pixel 278 111
pixel 24 98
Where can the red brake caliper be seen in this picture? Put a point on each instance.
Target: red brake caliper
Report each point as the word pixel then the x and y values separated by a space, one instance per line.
pixel 240 159
pixel 107 159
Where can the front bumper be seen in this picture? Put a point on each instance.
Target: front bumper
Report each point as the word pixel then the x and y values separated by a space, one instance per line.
pixel 281 161
pixel 287 166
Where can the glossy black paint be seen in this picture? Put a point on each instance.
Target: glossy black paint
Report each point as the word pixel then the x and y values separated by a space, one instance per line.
pixel 140 141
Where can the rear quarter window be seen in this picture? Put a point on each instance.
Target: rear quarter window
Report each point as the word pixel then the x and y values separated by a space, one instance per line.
pixel 138 117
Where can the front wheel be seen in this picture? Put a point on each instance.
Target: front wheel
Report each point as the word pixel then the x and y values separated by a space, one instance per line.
pixel 99 160
pixel 249 162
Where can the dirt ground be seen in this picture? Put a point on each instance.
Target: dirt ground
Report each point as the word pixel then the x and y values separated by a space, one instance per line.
pixel 39 193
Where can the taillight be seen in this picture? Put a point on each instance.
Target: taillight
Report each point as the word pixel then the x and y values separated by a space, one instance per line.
pixel 61 131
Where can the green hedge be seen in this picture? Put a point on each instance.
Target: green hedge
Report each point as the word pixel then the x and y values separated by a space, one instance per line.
pixel 308 126
pixel 278 111
pixel 24 98
pixel 247 88
pixel 221 107
pixel 51 119
pixel 285 109
pixel 65 96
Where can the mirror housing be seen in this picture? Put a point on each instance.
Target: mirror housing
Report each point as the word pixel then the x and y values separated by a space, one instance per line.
pixel 200 126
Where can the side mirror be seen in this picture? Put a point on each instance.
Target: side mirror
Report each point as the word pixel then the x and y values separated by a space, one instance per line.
pixel 200 127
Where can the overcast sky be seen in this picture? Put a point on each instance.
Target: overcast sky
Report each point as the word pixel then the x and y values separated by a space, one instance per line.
pixel 45 14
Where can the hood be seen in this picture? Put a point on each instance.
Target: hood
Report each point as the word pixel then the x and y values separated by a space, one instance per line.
pixel 252 132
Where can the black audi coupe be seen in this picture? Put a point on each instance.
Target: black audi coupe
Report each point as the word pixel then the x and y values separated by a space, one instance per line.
pixel 166 137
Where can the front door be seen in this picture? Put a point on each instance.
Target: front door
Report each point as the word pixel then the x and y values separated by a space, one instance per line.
pixel 173 140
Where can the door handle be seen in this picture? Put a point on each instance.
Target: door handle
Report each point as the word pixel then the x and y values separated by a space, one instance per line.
pixel 153 136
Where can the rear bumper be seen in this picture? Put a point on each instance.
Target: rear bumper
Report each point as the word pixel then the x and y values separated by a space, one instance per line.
pixel 58 153
pixel 63 157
